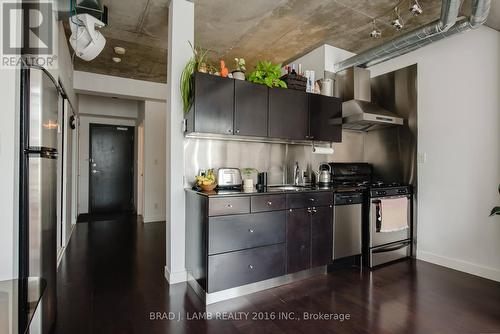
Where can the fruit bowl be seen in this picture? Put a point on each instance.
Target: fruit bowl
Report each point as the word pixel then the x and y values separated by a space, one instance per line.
pixel 208 187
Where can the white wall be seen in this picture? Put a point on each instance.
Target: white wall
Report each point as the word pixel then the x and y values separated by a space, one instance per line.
pixel 106 85
pixel 459 133
pixel 101 110
pixel 180 30
pixel 322 59
pixel 154 161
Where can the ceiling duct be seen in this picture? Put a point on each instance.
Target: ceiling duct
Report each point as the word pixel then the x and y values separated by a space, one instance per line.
pixel 446 26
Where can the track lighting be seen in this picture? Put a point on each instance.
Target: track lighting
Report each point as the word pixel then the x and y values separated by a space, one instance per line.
pixel 397 22
pixel 415 8
pixel 376 33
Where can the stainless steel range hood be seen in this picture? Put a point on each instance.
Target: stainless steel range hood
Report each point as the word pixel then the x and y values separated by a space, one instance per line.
pixel 358 112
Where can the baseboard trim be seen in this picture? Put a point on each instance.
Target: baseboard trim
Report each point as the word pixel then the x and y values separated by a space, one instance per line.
pixel 460 265
pixel 177 277
pixel 153 219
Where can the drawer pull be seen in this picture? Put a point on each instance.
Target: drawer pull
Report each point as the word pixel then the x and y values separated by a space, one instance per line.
pixel 251 267
pixel 311 199
pixel 314 210
pixel 269 203
pixel 229 205
pixel 251 230
pixel 309 210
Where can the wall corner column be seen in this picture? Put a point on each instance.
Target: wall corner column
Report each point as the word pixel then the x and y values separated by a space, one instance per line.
pixel 180 32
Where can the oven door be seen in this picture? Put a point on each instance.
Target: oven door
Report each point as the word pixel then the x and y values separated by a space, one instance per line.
pixel 378 238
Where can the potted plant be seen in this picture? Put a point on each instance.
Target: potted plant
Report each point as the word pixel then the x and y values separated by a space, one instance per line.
pixel 239 72
pixel 267 73
pixel 496 209
pixel 196 63
pixel 248 179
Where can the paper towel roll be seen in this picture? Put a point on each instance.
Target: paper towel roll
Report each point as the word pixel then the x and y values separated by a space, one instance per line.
pixel 322 150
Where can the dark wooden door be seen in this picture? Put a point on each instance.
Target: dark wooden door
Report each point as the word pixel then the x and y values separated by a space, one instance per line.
pixel 111 171
pixel 250 109
pixel 214 104
pixel 298 240
pixel 325 118
pixel 321 236
pixel 288 114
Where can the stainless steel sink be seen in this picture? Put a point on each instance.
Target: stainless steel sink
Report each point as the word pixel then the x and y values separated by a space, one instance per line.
pixel 288 188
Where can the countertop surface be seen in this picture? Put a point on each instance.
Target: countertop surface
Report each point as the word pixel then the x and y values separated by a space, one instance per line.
pixel 18 301
pixel 274 190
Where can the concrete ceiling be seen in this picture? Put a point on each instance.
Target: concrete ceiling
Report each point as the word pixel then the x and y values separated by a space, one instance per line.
pixel 275 30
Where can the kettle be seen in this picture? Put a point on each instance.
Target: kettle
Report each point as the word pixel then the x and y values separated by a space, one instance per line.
pixel 323 176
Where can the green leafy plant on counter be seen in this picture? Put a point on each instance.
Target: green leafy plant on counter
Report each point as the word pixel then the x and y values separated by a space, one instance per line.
pixel 267 73
pixel 187 80
pixel 496 209
pixel 248 172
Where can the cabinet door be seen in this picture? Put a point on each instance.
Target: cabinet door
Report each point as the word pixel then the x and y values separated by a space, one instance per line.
pixel 288 114
pixel 325 118
pixel 213 104
pixel 321 236
pixel 298 240
pixel 250 109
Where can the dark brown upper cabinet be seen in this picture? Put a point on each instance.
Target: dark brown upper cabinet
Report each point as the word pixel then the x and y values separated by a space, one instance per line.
pixel 250 109
pixel 288 114
pixel 213 106
pixel 325 118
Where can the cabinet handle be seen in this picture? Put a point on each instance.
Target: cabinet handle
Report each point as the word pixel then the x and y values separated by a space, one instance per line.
pixel 269 203
pixel 314 210
pixel 251 267
pixel 311 199
pixel 237 131
pixel 309 210
pixel 251 230
pixel 229 205
pixel 229 130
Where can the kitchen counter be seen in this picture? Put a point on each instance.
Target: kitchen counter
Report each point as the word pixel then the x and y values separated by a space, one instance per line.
pixel 19 300
pixel 272 191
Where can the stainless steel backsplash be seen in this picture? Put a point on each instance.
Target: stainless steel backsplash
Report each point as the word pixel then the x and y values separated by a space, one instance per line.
pixel 276 159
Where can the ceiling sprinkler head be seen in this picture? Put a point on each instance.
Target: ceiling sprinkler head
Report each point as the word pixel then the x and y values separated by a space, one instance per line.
pixel 375 33
pixel 416 9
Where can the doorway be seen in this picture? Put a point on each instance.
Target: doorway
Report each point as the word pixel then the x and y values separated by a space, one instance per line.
pixel 111 169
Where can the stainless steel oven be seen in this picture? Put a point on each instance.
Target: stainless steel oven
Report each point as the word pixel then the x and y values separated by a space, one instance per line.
pixel 388 246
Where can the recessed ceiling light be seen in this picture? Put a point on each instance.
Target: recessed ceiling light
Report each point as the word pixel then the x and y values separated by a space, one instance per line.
pixel 117 59
pixel 119 50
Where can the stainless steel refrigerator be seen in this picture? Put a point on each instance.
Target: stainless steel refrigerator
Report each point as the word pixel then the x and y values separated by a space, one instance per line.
pixel 40 100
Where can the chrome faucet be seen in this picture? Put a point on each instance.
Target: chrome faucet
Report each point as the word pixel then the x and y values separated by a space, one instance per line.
pixel 296 174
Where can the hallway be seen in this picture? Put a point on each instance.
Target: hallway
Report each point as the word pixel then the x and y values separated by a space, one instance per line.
pixel 111 278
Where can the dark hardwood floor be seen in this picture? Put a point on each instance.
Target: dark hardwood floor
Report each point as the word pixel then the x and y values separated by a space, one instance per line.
pixel 111 280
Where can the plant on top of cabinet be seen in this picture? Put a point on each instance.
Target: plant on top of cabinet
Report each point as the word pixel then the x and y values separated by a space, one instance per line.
pixel 196 63
pixel 267 73
pixel 239 72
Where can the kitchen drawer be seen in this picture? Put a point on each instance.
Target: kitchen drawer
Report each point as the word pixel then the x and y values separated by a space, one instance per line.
pixel 389 253
pixel 228 206
pixel 230 270
pixel 306 200
pixel 230 233
pixel 268 203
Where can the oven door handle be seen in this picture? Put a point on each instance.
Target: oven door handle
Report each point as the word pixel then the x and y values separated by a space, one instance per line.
pixel 390 249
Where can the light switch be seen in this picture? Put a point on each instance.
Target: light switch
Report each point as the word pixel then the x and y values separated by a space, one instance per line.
pixel 421 157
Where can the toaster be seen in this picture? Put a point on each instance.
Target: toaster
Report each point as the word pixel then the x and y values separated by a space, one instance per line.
pixel 229 178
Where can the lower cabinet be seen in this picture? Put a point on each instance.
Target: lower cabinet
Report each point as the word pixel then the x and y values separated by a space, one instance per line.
pixel 229 270
pixel 298 240
pixel 309 238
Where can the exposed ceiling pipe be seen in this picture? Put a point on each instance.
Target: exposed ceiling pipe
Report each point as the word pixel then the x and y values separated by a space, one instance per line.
pixel 449 13
pixel 480 11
